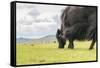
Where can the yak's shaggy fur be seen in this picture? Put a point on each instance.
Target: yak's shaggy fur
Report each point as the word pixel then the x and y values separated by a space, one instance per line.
pixel 78 23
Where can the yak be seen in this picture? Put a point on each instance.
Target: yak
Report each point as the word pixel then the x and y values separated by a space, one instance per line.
pixel 77 23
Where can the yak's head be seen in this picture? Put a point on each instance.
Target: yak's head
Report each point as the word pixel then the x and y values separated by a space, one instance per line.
pixel 60 40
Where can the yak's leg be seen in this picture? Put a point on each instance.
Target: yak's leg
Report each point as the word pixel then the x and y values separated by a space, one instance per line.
pixel 71 45
pixel 92 44
pixel 93 41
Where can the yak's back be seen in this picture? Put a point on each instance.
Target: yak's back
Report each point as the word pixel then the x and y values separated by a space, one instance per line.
pixel 76 14
pixel 79 21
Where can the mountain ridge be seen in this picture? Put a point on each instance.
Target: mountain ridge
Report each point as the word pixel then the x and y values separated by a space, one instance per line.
pixel 43 39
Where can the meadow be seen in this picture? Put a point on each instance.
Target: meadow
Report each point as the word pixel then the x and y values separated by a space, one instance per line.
pixel 41 53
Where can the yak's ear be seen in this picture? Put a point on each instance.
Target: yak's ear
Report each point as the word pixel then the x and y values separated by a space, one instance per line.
pixel 58 31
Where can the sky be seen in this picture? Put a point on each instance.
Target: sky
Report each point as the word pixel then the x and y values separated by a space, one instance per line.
pixel 37 20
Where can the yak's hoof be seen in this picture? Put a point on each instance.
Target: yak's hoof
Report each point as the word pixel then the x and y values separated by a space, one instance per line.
pixel 91 48
pixel 60 47
pixel 71 47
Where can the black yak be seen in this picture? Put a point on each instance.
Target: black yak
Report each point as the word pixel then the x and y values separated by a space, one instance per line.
pixel 78 23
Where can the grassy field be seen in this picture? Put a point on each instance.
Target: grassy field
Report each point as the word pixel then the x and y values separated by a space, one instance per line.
pixel 36 53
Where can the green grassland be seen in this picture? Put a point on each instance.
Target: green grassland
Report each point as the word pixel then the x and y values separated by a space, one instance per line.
pixel 41 53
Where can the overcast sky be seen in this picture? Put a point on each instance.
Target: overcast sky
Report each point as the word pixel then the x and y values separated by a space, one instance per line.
pixel 37 20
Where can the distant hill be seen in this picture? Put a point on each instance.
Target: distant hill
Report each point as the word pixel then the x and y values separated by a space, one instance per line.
pixel 48 38
pixel 19 40
pixel 43 39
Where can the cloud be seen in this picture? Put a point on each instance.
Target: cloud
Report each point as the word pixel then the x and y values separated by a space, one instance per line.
pixel 24 6
pixel 35 21
pixel 37 29
pixel 34 13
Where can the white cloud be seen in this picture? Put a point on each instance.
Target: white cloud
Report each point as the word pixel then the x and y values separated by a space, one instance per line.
pixel 34 21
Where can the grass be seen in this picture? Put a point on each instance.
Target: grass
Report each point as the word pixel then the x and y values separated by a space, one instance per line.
pixel 36 53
